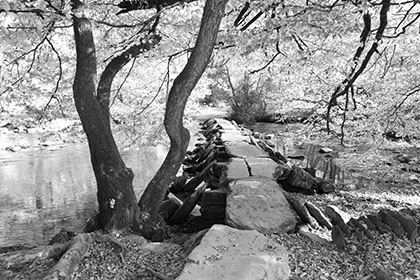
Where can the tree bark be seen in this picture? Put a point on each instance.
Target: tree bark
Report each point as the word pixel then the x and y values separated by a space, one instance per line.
pixel 116 64
pixel 118 210
pixel 177 99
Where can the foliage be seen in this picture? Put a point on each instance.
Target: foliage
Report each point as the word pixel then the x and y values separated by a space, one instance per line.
pixel 247 101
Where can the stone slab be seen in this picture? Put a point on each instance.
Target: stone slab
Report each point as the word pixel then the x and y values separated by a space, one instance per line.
pixel 225 124
pixel 245 150
pixel 226 253
pixel 233 136
pixel 262 167
pixel 258 203
pixel 236 168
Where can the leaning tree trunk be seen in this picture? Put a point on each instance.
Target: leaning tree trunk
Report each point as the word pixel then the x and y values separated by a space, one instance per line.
pixel 118 210
pixel 175 105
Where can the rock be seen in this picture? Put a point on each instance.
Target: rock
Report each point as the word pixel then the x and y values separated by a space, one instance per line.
pixel 192 241
pixel 336 215
pixel 301 210
pixel 319 216
pixel 325 150
pixel 178 184
pixel 169 206
pixel 367 222
pixel 205 174
pixel 410 227
pixel 236 169
pixel 244 150
pixel 282 172
pixel 338 237
pixel 357 225
pixel 393 223
pixel 311 171
pixel 324 186
pixel 226 254
pixel 213 211
pixel 305 231
pixel 261 167
pixel 258 203
pixel 338 218
pixel 161 247
pixel 214 197
pixel 188 205
pixel 299 181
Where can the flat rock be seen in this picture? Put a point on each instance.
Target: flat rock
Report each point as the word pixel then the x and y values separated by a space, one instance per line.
pixel 262 167
pixel 235 169
pixel 244 150
pixel 226 253
pixel 233 136
pixel 258 203
pixel 225 124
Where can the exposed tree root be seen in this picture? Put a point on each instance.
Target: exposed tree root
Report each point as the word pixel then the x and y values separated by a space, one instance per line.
pixel 43 252
pixel 65 267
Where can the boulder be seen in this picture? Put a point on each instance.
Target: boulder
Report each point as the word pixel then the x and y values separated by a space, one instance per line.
pixel 258 203
pixel 226 253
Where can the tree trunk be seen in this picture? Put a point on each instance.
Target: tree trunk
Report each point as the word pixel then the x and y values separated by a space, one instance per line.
pixel 177 99
pixel 118 210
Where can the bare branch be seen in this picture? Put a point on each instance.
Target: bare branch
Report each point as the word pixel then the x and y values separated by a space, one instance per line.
pixel 57 83
pixel 356 72
pixel 117 94
pixel 270 61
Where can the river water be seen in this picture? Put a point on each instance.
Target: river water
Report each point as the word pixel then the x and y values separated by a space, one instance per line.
pixel 49 187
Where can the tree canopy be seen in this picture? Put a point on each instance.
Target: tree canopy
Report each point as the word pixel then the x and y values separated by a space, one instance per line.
pixel 352 63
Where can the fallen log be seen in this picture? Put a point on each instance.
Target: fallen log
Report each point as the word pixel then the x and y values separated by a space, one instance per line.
pixel 65 267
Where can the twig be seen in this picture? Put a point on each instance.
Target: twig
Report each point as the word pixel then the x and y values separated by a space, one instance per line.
pixel 60 74
pixel 123 82
pixel 271 60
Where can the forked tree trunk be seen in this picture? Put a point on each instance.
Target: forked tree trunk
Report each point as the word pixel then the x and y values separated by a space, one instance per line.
pixel 118 210
pixel 178 96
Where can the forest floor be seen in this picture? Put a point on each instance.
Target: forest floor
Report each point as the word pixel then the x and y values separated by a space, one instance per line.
pixel 385 176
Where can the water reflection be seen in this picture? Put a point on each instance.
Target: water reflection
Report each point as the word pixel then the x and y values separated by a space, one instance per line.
pixel 304 156
pixel 42 191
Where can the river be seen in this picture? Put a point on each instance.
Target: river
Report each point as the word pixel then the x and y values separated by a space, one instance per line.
pixel 48 187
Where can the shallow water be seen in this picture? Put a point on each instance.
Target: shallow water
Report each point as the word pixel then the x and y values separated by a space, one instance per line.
pixel 306 155
pixel 44 189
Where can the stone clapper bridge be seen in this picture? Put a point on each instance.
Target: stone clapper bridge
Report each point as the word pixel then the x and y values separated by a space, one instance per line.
pixel 229 183
pixel 240 187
